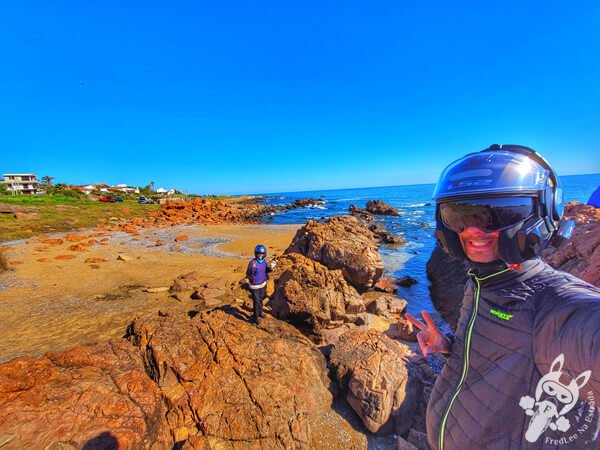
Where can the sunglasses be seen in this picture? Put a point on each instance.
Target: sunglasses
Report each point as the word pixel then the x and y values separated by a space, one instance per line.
pixel 490 214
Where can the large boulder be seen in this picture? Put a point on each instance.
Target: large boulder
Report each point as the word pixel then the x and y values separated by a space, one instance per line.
pixel 378 207
pixel 212 381
pixel 580 256
pixel 307 290
pixel 341 242
pixel 380 384
pixel 230 384
pixel 89 397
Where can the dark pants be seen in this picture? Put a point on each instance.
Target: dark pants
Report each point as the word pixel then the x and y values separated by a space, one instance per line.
pixel 258 295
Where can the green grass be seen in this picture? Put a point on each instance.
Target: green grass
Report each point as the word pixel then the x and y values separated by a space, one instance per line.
pixel 59 213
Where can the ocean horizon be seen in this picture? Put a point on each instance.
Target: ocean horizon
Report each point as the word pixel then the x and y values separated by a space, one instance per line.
pixel 416 224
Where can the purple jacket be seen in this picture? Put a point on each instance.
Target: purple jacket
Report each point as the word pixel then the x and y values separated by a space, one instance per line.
pixel 257 272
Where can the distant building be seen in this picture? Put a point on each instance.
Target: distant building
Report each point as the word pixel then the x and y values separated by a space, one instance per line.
pixel 21 183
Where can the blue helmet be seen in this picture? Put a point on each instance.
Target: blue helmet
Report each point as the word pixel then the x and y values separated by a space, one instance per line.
pixel 506 188
pixel 260 249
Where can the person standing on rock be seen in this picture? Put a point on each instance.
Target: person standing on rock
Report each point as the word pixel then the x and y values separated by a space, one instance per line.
pixel 523 371
pixel 257 273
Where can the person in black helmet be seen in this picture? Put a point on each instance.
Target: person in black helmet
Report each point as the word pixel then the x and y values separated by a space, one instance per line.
pixel 257 274
pixel 523 371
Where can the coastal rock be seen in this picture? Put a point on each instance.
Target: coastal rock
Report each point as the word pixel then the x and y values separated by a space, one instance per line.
pixel 406 281
pixel 307 290
pixel 378 207
pixel 341 242
pixel 233 384
pixel 184 285
pixel 380 384
pixel 83 397
pixel 402 329
pixel 386 305
pixel 385 285
pixel 384 236
pixel 580 256
pixel 361 214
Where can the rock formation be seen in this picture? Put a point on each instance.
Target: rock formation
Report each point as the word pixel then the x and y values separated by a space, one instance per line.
pixel 307 290
pixel 378 207
pixel 382 387
pixel 341 242
pixel 213 381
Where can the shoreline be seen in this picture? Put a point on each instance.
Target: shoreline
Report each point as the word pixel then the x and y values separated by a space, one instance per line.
pixel 49 304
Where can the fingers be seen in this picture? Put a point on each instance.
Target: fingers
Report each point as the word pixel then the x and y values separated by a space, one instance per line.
pixel 428 320
pixel 424 347
pixel 417 323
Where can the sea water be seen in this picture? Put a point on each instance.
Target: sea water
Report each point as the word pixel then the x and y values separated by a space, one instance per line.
pixel 416 224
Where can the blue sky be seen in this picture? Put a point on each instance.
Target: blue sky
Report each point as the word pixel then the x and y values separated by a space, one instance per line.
pixel 249 97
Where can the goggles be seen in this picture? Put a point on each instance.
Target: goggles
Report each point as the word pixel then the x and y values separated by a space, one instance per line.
pixel 489 214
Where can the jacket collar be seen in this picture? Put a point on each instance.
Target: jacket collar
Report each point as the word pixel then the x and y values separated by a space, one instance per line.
pixel 499 273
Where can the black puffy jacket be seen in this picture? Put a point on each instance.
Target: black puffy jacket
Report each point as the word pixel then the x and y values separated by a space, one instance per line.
pixel 505 384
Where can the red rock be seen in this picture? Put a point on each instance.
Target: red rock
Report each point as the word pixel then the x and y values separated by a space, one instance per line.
pixel 341 242
pixel 380 384
pixel 181 238
pixel 77 248
pixel 385 285
pixel 80 396
pixel 15 263
pixel 65 256
pixel 52 241
pixel 75 237
pixel 95 260
pixel 42 260
pixel 381 208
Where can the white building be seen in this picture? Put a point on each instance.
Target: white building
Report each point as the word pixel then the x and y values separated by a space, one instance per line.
pixel 21 183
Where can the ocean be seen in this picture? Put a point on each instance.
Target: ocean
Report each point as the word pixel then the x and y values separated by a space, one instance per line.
pixel 416 223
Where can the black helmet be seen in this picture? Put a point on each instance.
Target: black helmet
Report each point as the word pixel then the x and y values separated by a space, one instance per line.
pixel 506 188
pixel 260 249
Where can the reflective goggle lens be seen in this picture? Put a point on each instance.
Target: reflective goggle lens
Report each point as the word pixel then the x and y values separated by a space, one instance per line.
pixel 490 214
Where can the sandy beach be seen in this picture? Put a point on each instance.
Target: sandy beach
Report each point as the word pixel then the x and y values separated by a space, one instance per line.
pixel 53 304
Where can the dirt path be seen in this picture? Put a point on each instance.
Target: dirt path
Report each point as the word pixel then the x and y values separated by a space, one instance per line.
pixel 51 304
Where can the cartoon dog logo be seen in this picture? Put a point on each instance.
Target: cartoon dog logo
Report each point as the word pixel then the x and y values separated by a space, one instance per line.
pixel 552 401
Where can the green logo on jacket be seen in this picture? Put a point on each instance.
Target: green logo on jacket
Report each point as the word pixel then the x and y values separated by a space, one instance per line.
pixel 503 316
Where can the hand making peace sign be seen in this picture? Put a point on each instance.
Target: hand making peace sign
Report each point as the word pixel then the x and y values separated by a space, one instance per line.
pixel 430 338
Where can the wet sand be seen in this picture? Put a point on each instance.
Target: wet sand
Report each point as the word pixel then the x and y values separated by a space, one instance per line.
pixel 60 303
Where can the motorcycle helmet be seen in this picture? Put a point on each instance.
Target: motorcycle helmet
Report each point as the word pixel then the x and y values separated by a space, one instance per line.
pixel 506 188
pixel 260 249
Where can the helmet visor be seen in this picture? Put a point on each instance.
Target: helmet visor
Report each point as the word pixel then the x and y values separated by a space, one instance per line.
pixel 489 214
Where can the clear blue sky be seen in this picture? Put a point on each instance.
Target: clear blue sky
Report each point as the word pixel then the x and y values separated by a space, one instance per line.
pixel 247 97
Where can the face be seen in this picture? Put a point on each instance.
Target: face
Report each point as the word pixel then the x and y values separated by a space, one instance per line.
pixel 479 246
pixel 260 255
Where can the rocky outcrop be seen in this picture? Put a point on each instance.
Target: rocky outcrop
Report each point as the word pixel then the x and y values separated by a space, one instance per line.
pixel 308 291
pixel 580 256
pixel 384 236
pixel 82 397
pixel 341 242
pixel 226 382
pixel 386 305
pixel 382 387
pixel 378 207
pixel 213 381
